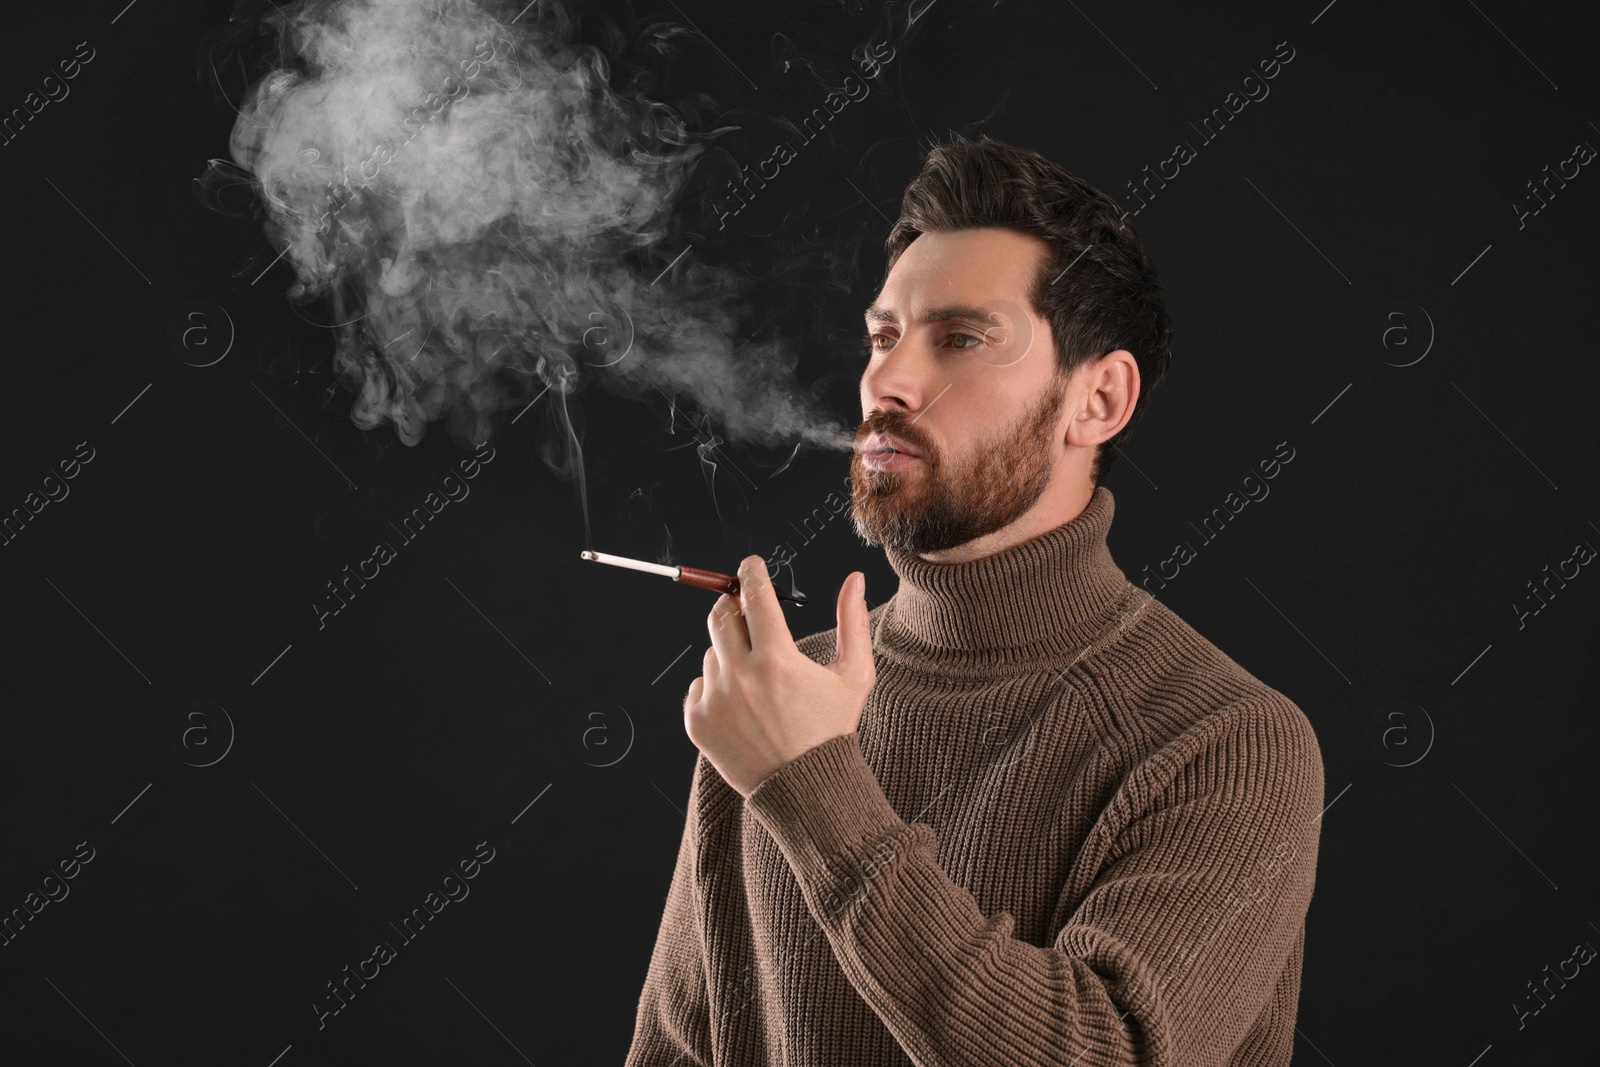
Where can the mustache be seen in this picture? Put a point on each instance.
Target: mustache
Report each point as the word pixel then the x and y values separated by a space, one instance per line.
pixel 895 426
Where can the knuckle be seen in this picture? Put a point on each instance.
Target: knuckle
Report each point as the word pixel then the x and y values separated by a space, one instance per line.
pixel 765 668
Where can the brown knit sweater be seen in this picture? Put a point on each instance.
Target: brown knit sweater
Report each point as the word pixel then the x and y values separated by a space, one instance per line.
pixel 1069 830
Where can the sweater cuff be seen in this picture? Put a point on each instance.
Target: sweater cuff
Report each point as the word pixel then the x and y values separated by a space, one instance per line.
pixel 826 811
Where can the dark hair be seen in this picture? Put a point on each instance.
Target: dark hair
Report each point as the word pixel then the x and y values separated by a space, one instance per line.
pixel 1112 296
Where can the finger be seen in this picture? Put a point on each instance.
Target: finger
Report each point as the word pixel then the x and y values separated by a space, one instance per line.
pixel 727 631
pixel 708 663
pixel 853 648
pixel 762 613
pixel 692 698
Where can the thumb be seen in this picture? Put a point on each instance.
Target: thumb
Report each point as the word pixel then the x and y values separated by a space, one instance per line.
pixel 853 647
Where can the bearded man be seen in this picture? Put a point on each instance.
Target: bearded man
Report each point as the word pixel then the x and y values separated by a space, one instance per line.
pixel 1020 813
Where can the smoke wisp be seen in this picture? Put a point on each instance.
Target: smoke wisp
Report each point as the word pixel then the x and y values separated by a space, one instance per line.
pixel 490 221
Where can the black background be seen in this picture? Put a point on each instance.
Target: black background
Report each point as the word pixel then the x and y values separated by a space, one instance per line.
pixel 436 711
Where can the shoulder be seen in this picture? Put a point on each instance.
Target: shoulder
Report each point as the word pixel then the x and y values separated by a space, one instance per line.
pixel 1268 736
pixel 1170 697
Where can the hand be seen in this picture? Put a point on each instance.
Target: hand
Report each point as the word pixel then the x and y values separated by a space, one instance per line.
pixel 760 702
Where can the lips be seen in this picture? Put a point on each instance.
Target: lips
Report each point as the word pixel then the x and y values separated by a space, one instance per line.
pixel 882 442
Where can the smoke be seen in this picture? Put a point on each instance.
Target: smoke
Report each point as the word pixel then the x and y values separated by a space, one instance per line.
pixel 490 222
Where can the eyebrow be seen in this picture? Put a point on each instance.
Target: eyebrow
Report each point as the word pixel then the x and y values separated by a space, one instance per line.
pixel 943 313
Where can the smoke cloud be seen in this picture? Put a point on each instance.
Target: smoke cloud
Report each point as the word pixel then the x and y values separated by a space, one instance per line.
pixel 490 221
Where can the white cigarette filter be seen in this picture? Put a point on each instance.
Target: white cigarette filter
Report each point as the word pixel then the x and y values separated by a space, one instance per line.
pixel 631 564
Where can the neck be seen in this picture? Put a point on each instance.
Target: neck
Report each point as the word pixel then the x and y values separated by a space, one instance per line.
pixel 1047 598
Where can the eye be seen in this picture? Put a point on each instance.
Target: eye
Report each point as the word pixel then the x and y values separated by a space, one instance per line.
pixel 967 341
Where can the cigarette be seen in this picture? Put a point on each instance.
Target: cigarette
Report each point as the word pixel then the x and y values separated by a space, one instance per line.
pixel 695 576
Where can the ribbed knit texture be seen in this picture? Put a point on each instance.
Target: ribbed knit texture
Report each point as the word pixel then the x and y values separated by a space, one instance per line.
pixel 1069 830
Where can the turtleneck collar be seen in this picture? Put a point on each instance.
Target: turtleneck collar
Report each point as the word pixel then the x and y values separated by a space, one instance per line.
pixel 1045 598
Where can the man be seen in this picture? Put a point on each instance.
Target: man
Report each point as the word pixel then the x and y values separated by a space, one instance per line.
pixel 1020 813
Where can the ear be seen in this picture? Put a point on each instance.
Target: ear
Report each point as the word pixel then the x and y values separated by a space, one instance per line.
pixel 1110 387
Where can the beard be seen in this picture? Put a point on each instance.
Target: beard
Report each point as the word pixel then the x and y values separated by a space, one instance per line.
pixel 937 503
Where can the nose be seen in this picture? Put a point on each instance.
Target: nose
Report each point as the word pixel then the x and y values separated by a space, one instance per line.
pixel 898 379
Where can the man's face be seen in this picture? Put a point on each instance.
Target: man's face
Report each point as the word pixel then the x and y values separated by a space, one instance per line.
pixel 962 374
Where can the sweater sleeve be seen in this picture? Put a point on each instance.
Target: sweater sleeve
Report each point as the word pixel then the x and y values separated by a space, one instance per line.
pixel 1207 860
pixel 672 1026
